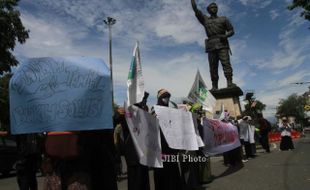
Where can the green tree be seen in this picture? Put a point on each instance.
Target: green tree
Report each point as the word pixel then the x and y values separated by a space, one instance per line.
pixel 254 107
pixel 292 106
pixel 303 4
pixel 4 101
pixel 11 30
pixel 258 106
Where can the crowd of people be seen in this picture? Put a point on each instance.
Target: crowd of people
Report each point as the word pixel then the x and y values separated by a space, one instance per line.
pixel 82 160
pixel 92 159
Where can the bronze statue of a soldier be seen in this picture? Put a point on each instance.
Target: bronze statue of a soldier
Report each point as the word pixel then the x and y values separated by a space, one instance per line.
pixel 218 30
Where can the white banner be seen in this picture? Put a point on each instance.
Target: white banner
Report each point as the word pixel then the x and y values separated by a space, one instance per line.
pixel 219 137
pixel 60 94
pixel 144 130
pixel 178 128
pixel 135 82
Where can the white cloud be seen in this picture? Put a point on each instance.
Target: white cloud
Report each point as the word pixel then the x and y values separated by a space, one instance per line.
pixel 176 74
pixel 287 82
pixel 280 89
pixel 238 46
pixel 274 14
pixel 271 98
pixel 48 38
pixel 178 21
pixel 292 49
pixel 76 28
pixel 172 24
pixel 256 3
pixel 141 20
pixel 295 77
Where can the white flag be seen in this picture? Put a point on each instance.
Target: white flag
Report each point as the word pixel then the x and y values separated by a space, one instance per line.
pixel 135 82
pixel 199 93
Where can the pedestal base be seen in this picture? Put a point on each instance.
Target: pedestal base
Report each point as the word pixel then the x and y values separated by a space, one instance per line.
pixel 229 97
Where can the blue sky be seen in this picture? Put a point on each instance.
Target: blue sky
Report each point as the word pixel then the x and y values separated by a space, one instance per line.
pixel 271 45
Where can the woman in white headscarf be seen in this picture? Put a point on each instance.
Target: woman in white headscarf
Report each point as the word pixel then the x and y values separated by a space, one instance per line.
pixel 247 135
pixel 232 157
pixel 286 136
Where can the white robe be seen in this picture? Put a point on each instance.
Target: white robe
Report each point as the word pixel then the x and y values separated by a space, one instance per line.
pixel 251 134
pixel 244 130
pixel 285 130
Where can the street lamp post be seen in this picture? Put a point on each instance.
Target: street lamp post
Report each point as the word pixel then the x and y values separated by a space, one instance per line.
pixel 109 22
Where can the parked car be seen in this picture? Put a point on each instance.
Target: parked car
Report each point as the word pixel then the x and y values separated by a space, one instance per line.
pixel 307 130
pixel 8 154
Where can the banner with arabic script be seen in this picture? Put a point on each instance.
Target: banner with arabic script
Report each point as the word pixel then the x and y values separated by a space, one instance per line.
pixel 60 94
pixel 219 137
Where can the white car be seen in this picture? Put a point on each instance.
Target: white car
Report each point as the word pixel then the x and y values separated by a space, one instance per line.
pixel 306 129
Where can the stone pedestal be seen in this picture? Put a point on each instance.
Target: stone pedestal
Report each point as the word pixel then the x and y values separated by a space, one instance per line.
pixel 229 97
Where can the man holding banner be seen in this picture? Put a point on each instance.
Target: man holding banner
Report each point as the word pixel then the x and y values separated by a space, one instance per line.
pixel 28 158
pixel 137 174
pixel 169 176
pixel 232 157
pixel 137 128
pixel 68 94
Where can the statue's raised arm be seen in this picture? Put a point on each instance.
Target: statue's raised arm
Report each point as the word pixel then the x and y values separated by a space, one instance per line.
pixel 200 16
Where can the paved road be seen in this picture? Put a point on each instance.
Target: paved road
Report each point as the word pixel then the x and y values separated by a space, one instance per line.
pixel 287 170
pixel 278 170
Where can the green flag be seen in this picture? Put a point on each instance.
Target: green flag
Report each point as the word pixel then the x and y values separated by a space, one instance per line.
pixel 200 93
pixel 135 82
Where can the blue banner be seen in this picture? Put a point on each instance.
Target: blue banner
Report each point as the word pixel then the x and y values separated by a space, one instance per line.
pixel 60 94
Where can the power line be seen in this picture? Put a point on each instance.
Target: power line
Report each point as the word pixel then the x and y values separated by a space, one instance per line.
pixel 300 83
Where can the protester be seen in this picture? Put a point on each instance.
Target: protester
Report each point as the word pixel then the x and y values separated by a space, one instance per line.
pixel 168 177
pixel 205 175
pixel 232 157
pixel 28 160
pixel 99 156
pixel 119 143
pixel 252 135
pixel 65 163
pixel 137 174
pixel 51 181
pixel 196 173
pixel 143 103
pixel 244 137
pixel 264 129
pixel 243 133
pixel 286 136
pixel 81 160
